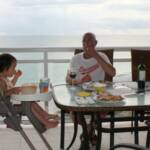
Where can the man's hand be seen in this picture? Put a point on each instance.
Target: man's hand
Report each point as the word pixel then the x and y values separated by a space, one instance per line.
pixel 69 80
pixel 86 78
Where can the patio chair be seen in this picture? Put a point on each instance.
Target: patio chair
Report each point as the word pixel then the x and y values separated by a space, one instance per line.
pixel 148 134
pixel 128 146
pixel 12 114
pixel 136 55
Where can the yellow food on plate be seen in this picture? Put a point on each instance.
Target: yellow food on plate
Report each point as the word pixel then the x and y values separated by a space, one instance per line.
pixel 83 94
pixel 99 90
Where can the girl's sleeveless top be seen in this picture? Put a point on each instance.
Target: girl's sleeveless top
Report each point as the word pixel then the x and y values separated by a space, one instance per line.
pixel 8 84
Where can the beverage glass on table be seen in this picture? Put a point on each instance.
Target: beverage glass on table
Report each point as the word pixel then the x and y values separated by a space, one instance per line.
pixel 44 85
pixel 72 74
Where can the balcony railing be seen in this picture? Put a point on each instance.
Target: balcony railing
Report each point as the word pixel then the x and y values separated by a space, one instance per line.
pixel 53 62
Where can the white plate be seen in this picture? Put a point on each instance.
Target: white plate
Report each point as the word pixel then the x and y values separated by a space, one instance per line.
pixel 84 100
pixel 90 85
pixel 98 84
pixel 32 97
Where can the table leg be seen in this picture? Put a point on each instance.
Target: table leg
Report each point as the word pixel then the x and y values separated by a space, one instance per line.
pixel 99 135
pixel 75 131
pixel 112 124
pixel 62 134
pixel 85 132
pixel 136 133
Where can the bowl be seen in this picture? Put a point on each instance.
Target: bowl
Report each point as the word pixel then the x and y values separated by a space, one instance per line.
pixel 28 88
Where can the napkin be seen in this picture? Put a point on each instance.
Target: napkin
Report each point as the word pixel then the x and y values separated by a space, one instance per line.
pixel 121 91
pixel 84 100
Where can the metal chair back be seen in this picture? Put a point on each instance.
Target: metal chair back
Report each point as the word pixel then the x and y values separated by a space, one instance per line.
pixel 136 55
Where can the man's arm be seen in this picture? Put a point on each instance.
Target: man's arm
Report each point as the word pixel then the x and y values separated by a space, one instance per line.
pixel 108 68
pixel 86 78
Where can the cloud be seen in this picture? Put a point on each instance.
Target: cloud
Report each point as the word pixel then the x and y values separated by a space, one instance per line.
pixel 73 16
pixel 136 5
pixel 32 3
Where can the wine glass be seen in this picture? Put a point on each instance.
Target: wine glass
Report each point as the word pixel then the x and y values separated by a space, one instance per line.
pixel 73 73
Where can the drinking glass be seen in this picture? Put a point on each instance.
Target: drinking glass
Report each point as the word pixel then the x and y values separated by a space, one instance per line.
pixel 73 73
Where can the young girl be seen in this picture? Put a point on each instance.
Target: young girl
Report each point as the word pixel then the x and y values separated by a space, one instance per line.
pixel 7 87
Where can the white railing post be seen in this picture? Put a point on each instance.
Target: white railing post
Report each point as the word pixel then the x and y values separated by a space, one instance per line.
pixel 46 73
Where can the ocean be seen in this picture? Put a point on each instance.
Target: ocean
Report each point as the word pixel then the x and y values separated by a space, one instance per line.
pixel 38 41
pixel 57 71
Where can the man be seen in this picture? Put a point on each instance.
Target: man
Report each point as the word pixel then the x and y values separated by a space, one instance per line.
pixel 90 66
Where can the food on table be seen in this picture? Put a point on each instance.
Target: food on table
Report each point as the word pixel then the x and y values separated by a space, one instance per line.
pixel 98 84
pixel 94 86
pixel 99 87
pixel 109 97
pixel 83 94
pixel 28 88
pixel 88 86
pixel 99 90
pixel 105 82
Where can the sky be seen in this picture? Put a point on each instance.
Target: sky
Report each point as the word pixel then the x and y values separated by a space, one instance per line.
pixel 74 17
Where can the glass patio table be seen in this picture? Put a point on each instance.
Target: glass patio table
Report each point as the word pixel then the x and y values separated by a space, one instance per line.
pixel 66 99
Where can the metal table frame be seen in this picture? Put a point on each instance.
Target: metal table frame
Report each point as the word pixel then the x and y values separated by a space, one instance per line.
pixel 81 111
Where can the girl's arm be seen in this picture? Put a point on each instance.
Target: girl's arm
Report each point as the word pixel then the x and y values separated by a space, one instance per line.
pixel 9 92
pixel 16 76
pixel 15 90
